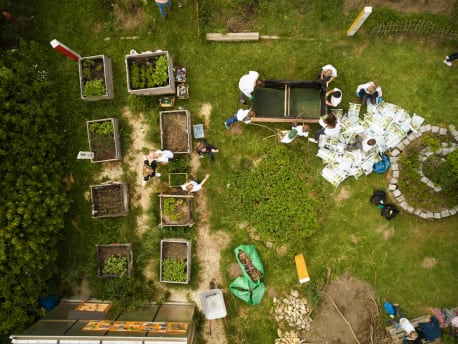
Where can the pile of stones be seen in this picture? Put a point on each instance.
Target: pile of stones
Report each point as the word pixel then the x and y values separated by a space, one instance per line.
pixel 292 312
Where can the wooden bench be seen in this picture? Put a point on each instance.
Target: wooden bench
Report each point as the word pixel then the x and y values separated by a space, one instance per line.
pixel 301 268
pixel 397 334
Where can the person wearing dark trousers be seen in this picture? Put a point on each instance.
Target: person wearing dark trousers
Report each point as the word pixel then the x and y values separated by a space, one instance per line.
pixel 205 148
pixel 149 170
pixel 448 59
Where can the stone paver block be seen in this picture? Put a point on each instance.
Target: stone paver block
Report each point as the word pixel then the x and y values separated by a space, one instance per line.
pixel 443 131
pixel 397 193
pixel 424 180
pixel 434 129
pixel 411 137
pixel 401 146
pixel 404 205
pixel 452 211
pixel 392 187
pixel 406 142
pixel 396 174
pixel 445 213
pixel 393 159
pixel 401 198
pixel 418 134
pixel 394 167
pixel 411 209
pixel 395 152
pixel 437 215
pixel 451 127
pixel 423 215
pixel 393 181
pixel 430 215
pixel 417 212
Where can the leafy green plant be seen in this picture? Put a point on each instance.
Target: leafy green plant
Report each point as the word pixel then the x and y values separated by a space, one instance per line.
pixel 115 265
pixel 172 208
pixel 177 179
pixel 94 88
pixel 161 71
pixel 174 270
pixel 102 128
pixel 86 68
pixel 179 164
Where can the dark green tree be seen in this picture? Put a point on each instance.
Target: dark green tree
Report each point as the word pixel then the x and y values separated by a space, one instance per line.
pixel 33 201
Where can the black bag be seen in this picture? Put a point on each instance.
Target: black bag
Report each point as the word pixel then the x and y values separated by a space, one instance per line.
pixel 389 211
pixel 378 198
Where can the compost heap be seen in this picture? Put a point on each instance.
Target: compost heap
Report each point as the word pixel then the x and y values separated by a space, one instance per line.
pixel 249 287
pixel 387 123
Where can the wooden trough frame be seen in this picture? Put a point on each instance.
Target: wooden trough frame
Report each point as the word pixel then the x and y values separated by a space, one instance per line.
pixel 288 113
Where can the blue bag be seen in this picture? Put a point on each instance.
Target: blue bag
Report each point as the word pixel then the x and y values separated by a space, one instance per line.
pixel 382 165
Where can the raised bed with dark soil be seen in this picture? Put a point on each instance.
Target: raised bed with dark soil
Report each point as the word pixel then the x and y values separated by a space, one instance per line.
pixel 96 68
pixel 107 251
pixel 176 131
pixel 176 210
pixel 176 249
pixel 105 146
pixel 109 200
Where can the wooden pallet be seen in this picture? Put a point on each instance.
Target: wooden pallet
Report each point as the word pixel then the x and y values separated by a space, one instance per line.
pixel 397 335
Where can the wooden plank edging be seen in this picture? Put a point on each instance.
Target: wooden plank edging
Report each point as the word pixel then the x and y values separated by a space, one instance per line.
pixel 233 36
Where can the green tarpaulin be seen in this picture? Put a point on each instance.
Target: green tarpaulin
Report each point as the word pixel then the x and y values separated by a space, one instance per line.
pixel 244 287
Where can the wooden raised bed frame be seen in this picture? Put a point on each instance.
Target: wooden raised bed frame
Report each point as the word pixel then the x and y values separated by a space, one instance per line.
pixel 176 131
pixel 179 249
pixel 104 147
pixel 106 73
pixel 109 200
pixel 185 208
pixel 107 251
pixel 150 58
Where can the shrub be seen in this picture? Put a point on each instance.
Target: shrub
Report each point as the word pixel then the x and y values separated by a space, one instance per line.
pixel 278 197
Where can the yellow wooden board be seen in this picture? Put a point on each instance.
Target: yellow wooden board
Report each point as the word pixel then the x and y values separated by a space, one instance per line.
pixel 301 267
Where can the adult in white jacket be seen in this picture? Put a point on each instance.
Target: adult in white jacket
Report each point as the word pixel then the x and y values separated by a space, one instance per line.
pixel 249 82
pixel 369 91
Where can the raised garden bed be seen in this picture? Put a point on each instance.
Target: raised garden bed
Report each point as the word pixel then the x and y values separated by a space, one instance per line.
pixel 175 261
pixel 177 179
pixel 104 142
pixel 176 210
pixel 96 78
pixel 176 131
pixel 150 73
pixel 114 260
pixel 109 200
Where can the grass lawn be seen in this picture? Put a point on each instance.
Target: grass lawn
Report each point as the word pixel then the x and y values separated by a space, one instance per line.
pixel 352 236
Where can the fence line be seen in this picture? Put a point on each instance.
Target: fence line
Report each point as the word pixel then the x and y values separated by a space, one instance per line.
pixel 415 27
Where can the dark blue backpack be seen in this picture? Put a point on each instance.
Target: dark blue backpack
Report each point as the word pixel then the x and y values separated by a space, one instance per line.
pixel 382 165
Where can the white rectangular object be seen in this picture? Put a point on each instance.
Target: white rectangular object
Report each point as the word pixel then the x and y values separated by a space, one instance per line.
pixel 213 304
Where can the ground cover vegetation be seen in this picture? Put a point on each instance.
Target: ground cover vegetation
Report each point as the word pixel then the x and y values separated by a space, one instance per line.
pixel 56 252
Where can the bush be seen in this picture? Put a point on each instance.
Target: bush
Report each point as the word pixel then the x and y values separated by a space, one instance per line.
pixel 278 196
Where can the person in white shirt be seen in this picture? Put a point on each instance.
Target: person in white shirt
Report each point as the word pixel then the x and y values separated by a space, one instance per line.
pixel 330 126
pixel 408 328
pixel 298 130
pixel 161 156
pixel 248 83
pixel 326 75
pixel 369 91
pixel 194 185
pixel 240 116
pixel 363 143
pixel 336 97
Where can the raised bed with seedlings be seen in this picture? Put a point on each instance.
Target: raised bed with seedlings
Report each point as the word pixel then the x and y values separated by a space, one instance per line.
pixel 175 266
pixel 96 78
pixel 114 260
pixel 104 142
pixel 109 200
pixel 150 73
pixel 176 210
pixel 176 131
pixel 179 169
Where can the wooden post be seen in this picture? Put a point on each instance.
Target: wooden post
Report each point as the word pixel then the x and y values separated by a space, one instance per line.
pixel 360 19
pixel 63 49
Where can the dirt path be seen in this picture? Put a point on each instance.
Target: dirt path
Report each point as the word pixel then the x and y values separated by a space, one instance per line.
pixel 208 247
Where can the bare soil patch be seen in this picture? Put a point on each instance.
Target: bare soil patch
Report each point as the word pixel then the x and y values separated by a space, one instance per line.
pixel 347 299
pixel 429 262
pixel 403 6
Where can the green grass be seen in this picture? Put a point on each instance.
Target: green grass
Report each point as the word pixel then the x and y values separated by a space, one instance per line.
pixel 409 70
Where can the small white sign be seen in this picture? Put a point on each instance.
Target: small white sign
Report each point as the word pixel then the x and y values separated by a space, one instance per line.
pixel 85 155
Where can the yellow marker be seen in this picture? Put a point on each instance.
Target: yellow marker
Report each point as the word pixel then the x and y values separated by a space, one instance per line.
pixel 301 268
pixel 362 16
